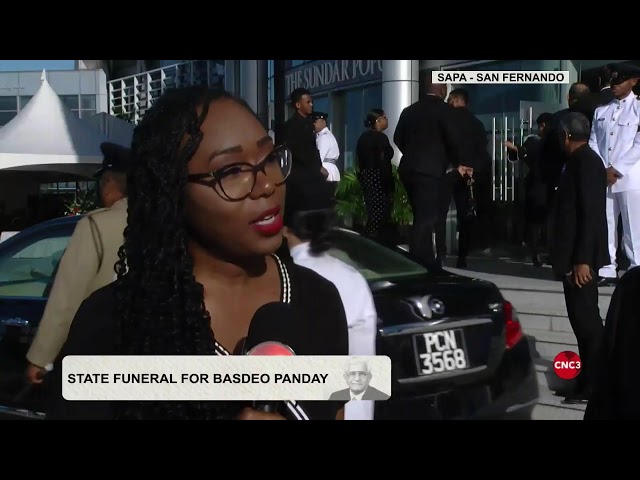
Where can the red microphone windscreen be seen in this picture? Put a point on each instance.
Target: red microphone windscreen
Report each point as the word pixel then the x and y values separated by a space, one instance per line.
pixel 271 349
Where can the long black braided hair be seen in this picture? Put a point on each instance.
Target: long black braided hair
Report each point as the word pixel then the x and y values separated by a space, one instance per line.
pixel 160 304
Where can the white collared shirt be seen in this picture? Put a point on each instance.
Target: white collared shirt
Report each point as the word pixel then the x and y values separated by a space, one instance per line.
pixel 329 153
pixel 615 137
pixel 360 310
pixel 356 397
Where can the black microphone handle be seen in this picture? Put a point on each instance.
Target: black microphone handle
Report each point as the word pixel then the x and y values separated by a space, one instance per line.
pixel 29 387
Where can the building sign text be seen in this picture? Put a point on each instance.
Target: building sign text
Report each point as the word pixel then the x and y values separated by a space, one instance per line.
pixel 323 75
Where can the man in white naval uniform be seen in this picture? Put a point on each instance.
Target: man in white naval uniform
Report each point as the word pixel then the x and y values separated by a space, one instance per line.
pixel 327 146
pixel 615 137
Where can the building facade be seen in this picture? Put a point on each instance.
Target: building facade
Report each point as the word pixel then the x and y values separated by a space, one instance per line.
pixel 133 85
pixel 83 91
pixel 348 89
pixel 345 89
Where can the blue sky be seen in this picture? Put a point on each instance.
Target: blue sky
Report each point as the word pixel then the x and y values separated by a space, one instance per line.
pixel 26 65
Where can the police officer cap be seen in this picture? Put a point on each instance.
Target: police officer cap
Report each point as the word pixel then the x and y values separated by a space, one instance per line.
pixel 116 158
pixel 622 72
pixel 319 115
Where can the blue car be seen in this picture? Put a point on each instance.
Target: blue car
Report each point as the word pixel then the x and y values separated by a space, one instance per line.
pixel 455 343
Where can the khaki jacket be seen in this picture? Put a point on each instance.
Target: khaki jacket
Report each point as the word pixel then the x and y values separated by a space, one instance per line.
pixel 79 275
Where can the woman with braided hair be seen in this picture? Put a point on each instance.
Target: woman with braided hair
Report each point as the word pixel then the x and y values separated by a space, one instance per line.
pixel 206 199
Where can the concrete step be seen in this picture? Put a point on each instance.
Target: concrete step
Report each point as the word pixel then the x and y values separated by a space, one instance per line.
pixel 540 303
pixel 552 338
pixel 545 303
pixel 548 412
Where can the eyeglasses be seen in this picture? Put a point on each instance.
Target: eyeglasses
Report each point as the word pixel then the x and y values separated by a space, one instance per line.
pixel 235 182
pixel 357 374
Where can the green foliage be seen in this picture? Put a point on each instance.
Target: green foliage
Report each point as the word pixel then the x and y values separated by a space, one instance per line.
pixel 122 115
pixel 350 200
pixel 85 202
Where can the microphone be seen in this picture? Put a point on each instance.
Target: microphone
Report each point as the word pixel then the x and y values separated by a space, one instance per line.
pixel 271 332
pixel 28 388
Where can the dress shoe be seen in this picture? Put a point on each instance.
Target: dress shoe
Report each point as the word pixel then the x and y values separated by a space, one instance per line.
pixel 577 397
pixel 580 394
pixel 607 281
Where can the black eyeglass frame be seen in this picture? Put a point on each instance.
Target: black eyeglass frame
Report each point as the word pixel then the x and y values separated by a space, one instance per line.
pixel 199 178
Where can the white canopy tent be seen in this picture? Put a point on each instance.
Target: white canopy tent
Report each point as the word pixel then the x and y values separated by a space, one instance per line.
pixel 47 136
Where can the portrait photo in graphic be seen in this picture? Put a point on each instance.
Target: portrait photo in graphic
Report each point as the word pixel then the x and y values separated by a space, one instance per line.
pixel 357 375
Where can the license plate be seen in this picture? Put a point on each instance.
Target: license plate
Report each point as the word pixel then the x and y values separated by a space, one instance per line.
pixel 441 351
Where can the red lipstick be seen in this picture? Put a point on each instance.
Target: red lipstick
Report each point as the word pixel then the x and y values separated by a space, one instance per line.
pixel 269 222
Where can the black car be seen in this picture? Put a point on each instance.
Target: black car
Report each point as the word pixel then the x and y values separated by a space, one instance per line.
pixel 456 345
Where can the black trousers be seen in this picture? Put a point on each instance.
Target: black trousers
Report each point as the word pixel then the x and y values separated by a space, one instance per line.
pixel 534 237
pixel 424 193
pixel 378 202
pixel 455 187
pixel 584 316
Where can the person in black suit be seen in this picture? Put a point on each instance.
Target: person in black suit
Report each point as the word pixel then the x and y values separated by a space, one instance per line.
pixel 552 151
pixel 535 185
pixel 617 389
pixel 460 187
pixel 579 242
pixel 300 135
pixel 430 140
pixel 605 94
pixel 358 376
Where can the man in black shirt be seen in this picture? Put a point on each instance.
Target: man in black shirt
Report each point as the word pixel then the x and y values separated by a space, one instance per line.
pixel 300 135
pixel 580 242
pixel 429 138
pixel 552 154
pixel 461 187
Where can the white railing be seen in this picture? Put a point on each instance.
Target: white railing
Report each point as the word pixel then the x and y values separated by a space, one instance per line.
pixel 130 97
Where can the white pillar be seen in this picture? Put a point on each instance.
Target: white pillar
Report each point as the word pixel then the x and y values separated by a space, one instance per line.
pixel 400 88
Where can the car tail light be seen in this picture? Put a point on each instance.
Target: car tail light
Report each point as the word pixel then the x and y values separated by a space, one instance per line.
pixel 513 329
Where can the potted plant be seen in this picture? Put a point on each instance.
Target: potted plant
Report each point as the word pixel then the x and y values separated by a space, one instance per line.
pixel 352 211
pixel 84 202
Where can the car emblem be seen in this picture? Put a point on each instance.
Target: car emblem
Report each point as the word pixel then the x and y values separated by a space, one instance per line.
pixel 436 306
pixel 429 305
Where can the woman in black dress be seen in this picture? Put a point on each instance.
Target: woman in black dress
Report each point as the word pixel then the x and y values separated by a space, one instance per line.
pixel 206 198
pixel 374 154
pixel 535 185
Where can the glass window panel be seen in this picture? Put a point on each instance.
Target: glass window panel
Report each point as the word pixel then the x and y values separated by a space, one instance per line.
pixel 9 103
pixel 71 101
pixel 6 117
pixel 88 102
pixel 321 104
pixel 500 99
pixel 28 270
pixel 24 100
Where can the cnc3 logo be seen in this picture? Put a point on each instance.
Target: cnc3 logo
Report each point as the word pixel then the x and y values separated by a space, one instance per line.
pixel 567 365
